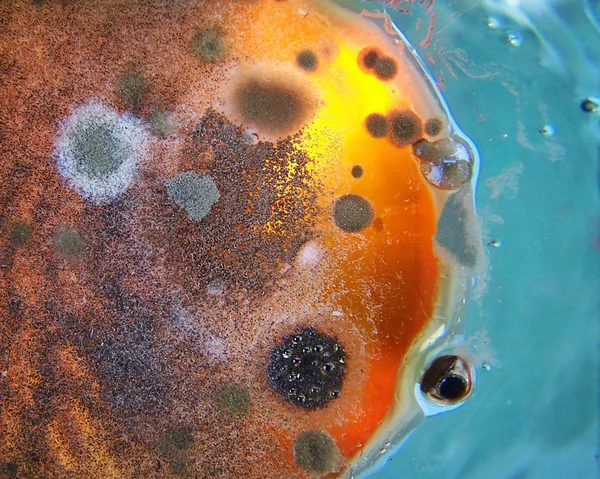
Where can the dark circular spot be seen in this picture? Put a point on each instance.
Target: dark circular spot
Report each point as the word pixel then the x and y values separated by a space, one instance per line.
pixel 377 125
pixel 589 105
pixel 452 387
pixel 306 368
pixel 352 213
pixel 433 126
pixel 447 380
pixel 406 127
pixel 307 60
pixel 316 452
pixel 273 106
pixel 367 58
pixel 385 68
pixel 357 171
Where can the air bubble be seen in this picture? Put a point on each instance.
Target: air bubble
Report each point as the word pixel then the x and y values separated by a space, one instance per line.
pixel 590 105
pixel 547 130
pixel 327 368
pixel 446 164
pixel 514 38
pixel 297 339
pixel 494 23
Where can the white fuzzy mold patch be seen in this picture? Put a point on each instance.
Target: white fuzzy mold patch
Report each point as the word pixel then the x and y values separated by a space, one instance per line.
pixel 98 151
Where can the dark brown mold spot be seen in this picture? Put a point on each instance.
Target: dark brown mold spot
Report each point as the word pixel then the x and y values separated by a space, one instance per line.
pixel 433 126
pixel 377 125
pixel 385 68
pixel 367 58
pixel 274 107
pixel 307 60
pixel 405 128
pixel 316 453
pixel 352 213
pixel 357 171
pixel 447 380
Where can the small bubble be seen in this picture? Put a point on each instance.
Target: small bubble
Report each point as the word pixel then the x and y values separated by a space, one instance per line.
pixel 590 105
pixel 306 349
pixel 547 130
pixel 287 354
pixel 487 366
pixel 494 23
pixel 335 394
pixel 296 361
pixel 514 38
pixel 314 389
pixel 297 339
pixel 327 368
pixel 318 348
pixel 300 399
pixel 495 243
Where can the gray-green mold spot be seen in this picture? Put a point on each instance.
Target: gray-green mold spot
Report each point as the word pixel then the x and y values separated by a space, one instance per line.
pixel 173 445
pixel 176 439
pixel 455 228
pixel 316 453
pixel 20 233
pixel 196 194
pixel 209 45
pixel 160 123
pixel 132 88
pixel 234 399
pixel 96 151
pixel 69 242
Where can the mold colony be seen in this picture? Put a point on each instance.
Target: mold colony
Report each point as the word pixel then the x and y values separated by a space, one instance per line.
pixel 234 238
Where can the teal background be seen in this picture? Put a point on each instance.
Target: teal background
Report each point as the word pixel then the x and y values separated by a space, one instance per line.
pixel 534 414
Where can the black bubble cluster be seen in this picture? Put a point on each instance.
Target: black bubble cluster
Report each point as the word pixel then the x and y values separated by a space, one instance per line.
pixel 308 368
